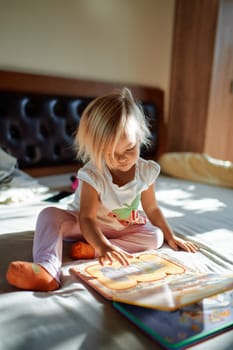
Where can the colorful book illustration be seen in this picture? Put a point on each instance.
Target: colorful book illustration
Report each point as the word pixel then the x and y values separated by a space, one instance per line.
pixel 152 280
pixel 185 326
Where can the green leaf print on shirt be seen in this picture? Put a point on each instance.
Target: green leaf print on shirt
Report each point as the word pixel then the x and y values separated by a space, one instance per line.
pixel 124 213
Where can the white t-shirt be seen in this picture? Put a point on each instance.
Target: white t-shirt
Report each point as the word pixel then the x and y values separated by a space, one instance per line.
pixel 119 205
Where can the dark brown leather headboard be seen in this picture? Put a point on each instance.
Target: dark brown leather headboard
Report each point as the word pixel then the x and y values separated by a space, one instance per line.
pixel 39 116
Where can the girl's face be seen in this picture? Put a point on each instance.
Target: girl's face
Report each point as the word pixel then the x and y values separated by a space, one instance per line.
pixel 126 151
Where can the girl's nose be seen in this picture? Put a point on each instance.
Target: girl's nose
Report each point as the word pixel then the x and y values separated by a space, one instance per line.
pixel 122 159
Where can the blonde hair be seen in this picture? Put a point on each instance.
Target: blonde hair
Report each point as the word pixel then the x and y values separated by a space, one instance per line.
pixel 103 123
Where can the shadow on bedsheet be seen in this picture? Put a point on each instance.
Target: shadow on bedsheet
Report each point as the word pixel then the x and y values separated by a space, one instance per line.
pixel 72 317
pixel 14 246
pixel 73 320
pixel 18 246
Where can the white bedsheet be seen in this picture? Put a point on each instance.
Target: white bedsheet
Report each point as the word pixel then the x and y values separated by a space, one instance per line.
pixel 203 214
pixel 76 317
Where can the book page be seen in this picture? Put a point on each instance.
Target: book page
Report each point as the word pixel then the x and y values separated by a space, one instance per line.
pixel 152 280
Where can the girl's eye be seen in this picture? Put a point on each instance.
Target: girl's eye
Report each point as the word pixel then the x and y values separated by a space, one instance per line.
pixel 131 149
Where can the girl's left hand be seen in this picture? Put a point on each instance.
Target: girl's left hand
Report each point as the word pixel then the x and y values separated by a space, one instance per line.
pixel 176 243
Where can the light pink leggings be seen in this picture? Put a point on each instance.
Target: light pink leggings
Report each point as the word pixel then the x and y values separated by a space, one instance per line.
pixel 55 225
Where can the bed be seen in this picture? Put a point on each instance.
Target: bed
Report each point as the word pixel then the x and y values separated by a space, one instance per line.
pixel 38 116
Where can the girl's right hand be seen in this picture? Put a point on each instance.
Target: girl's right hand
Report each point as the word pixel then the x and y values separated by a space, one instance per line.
pixel 112 253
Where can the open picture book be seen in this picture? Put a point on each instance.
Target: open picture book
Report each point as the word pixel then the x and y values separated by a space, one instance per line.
pixel 152 280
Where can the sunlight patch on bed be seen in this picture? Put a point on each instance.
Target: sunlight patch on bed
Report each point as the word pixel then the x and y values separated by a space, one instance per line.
pixel 219 237
pixel 169 213
pixel 204 205
pixel 172 197
pixel 185 200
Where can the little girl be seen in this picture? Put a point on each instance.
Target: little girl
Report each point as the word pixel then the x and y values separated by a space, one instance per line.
pixel 104 217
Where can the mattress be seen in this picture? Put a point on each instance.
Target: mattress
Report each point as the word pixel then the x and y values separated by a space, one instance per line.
pixel 77 317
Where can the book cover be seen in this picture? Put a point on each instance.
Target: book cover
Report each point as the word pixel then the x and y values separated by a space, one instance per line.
pixel 185 326
pixel 152 280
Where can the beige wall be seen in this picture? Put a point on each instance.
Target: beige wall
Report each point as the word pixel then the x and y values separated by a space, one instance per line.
pixel 113 40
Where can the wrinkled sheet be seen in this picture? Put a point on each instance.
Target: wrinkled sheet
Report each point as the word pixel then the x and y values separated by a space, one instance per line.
pixel 77 317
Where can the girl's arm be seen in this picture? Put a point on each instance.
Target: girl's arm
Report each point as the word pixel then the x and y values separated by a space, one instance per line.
pixel 89 202
pixel 156 217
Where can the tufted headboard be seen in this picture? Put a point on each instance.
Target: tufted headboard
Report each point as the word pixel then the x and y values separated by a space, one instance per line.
pixel 39 115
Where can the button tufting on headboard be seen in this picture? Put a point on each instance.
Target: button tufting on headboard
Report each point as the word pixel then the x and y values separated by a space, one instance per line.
pixel 39 129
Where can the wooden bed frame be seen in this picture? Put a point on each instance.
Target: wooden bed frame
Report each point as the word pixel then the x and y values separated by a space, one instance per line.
pixel 21 83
